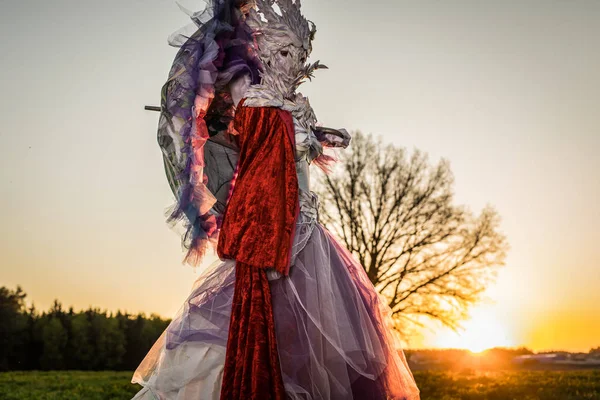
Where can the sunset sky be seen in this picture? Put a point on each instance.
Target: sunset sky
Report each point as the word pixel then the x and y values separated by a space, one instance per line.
pixel 508 91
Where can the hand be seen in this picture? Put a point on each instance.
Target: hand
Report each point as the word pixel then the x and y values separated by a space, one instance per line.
pixel 238 88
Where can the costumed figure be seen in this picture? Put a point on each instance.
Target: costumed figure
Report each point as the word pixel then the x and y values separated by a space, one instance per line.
pixel 286 312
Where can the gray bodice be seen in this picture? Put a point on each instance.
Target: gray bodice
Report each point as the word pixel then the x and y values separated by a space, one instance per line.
pixel 307 149
pixel 303 171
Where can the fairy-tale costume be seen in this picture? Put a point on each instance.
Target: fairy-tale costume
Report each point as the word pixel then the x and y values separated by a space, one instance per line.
pixel 287 312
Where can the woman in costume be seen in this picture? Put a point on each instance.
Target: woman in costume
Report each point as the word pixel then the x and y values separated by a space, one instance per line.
pixel 286 313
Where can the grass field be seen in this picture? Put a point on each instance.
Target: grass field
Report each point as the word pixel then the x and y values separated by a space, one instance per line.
pixel 510 385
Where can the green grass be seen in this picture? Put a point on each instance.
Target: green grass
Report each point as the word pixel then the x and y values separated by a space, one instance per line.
pixel 502 385
pixel 66 385
pixel 509 385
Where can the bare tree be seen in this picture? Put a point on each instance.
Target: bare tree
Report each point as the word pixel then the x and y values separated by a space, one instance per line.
pixel 397 215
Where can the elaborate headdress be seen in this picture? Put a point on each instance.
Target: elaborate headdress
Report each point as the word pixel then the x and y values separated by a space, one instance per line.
pixel 281 31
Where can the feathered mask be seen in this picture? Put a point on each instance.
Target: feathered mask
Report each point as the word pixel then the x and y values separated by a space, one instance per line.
pixel 284 41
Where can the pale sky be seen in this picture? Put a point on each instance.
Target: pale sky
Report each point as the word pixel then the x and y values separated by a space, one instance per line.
pixel 508 91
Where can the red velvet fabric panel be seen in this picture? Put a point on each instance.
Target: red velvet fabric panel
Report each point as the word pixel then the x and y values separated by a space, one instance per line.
pixel 258 224
pixel 252 370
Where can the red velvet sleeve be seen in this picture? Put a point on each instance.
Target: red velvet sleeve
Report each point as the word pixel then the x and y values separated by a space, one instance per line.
pixel 260 218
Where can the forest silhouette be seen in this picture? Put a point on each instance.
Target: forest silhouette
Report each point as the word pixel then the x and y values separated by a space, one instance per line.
pixel 60 339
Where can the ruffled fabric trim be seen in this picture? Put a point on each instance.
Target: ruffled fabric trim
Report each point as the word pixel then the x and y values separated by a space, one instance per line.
pixel 219 50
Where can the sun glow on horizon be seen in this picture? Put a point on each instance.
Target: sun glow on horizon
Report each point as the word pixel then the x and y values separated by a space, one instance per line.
pixel 480 332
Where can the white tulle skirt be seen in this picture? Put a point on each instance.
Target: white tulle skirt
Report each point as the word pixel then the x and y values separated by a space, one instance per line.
pixel 334 334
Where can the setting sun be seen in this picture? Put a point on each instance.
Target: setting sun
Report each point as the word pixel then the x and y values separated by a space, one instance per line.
pixel 481 332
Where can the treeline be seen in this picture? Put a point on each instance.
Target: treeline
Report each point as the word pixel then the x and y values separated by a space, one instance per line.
pixel 82 340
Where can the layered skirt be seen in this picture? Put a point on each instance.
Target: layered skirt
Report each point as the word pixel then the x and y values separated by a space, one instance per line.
pixel 333 331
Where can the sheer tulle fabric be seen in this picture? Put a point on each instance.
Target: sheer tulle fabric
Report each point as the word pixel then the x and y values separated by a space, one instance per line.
pixel 333 334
